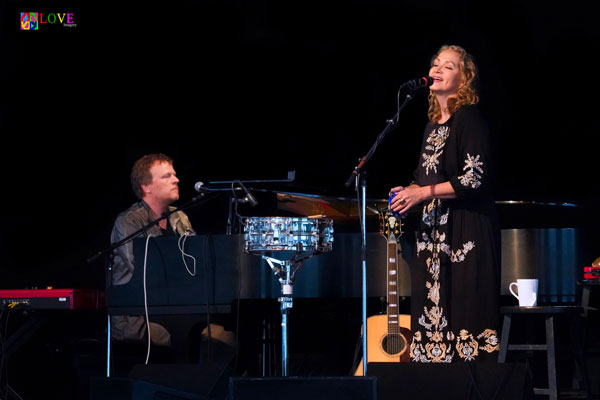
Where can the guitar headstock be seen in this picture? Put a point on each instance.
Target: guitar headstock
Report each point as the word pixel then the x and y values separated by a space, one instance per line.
pixel 390 224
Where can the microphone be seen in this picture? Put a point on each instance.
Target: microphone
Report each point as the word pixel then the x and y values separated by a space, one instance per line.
pixel 199 187
pixel 415 84
pixel 249 198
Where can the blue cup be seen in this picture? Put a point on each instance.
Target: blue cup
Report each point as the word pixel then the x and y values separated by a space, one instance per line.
pixel 394 213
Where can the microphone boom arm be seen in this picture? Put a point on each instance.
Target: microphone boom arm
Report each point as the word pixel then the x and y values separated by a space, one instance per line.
pixel 391 124
pixel 358 176
pixel 192 202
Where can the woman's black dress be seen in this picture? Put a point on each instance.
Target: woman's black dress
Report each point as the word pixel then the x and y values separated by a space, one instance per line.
pixel 455 274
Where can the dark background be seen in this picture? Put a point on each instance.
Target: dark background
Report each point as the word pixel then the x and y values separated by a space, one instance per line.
pixel 253 89
pixel 236 89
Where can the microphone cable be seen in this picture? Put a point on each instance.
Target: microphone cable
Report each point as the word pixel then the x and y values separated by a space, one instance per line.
pixel 181 245
pixel 146 299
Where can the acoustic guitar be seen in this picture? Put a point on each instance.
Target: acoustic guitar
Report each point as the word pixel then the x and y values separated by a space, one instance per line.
pixel 388 335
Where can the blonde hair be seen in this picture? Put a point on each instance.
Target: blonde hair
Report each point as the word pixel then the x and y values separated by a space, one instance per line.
pixel 466 93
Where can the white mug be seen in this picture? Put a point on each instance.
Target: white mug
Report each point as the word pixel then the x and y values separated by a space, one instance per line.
pixel 527 289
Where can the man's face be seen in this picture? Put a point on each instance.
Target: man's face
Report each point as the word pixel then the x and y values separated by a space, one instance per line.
pixel 164 186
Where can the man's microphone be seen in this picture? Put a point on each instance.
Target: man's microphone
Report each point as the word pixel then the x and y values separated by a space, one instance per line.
pixel 248 198
pixel 415 84
pixel 199 187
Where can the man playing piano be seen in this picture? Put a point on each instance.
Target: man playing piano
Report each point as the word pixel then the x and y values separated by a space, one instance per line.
pixel 155 184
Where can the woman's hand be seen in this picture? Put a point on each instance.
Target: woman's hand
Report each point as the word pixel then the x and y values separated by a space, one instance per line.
pixel 406 197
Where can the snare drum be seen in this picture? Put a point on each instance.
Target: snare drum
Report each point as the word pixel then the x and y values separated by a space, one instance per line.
pixel 263 234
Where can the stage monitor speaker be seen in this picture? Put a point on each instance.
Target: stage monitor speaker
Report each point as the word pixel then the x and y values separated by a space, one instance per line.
pixel 131 389
pixel 207 379
pixel 469 381
pixel 303 388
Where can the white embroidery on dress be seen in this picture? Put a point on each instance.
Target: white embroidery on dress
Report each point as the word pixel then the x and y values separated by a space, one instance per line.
pixel 472 178
pixel 460 254
pixel 431 213
pixel 434 291
pixel 466 346
pixel 433 320
pixel 491 340
pixel 435 143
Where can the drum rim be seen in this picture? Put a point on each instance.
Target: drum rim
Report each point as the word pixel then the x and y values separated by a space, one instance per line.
pixel 289 218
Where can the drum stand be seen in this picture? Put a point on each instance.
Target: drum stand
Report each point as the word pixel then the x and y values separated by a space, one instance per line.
pixel 286 273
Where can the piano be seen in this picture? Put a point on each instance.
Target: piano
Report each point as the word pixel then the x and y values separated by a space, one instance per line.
pixel 551 249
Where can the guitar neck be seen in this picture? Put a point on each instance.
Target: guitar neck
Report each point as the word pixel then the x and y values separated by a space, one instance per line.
pixel 392 285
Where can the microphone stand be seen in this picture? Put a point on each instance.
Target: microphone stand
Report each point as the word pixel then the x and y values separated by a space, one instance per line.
pixel 128 238
pixel 291 175
pixel 229 214
pixel 358 175
pixel 231 200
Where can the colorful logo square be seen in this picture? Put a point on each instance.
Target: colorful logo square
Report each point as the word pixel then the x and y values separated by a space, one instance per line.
pixel 29 21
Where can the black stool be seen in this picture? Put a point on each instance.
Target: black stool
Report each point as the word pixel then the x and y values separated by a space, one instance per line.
pixel 548 312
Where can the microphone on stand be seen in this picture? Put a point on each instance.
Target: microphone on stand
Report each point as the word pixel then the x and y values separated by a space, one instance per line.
pixel 415 84
pixel 248 197
pixel 200 188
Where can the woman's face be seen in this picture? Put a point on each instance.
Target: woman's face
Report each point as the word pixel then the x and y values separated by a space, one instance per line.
pixel 446 74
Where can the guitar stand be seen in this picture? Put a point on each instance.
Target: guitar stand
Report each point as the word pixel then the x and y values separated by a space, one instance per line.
pixel 286 274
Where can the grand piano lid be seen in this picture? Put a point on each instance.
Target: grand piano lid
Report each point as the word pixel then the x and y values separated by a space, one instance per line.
pixel 535 203
pixel 512 213
pixel 540 214
pixel 344 211
pixel 333 207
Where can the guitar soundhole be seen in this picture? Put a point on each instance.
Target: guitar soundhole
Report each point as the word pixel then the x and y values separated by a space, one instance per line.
pixel 394 344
